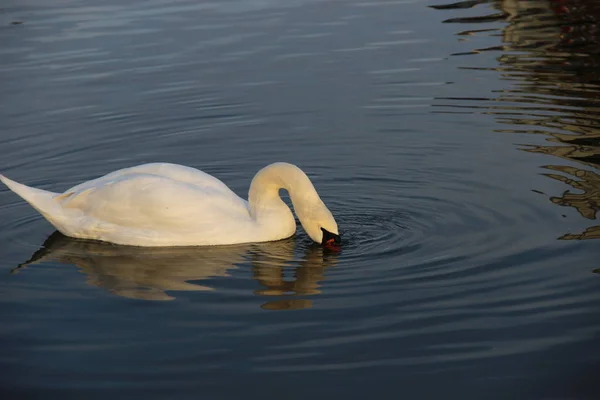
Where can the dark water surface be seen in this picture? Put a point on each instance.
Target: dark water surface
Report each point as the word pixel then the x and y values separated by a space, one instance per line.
pixel 456 144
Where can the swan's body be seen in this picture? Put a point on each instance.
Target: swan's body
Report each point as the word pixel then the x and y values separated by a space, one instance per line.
pixel 161 204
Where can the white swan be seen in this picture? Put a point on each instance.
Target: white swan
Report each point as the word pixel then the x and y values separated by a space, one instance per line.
pixel 162 204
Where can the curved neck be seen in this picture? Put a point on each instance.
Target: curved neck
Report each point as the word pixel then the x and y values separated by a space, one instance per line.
pixel 263 196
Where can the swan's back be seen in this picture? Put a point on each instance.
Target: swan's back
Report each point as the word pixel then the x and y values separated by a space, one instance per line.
pixel 174 172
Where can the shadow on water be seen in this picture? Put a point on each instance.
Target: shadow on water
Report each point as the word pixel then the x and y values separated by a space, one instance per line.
pixel 551 51
pixel 148 273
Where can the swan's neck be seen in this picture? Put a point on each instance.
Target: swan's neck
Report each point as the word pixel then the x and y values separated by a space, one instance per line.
pixel 267 207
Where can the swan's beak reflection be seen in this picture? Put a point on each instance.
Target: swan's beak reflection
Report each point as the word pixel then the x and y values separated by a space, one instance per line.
pixel 331 240
pixel 283 273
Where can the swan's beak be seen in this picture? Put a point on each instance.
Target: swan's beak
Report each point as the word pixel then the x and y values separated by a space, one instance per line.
pixel 330 239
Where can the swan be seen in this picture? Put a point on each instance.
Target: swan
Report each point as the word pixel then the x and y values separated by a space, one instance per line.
pixel 164 204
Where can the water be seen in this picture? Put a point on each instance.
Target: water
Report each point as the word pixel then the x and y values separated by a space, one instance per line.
pixel 456 145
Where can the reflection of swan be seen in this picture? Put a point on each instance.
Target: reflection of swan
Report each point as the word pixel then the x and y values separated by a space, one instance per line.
pixel 146 273
pixel 164 204
pixel 269 272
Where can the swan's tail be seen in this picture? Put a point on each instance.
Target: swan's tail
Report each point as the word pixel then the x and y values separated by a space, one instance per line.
pixel 43 201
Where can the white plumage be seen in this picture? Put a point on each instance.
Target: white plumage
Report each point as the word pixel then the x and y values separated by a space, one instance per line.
pixel 161 204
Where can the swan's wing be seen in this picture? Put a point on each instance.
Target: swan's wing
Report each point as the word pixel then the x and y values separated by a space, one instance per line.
pixel 178 173
pixel 150 202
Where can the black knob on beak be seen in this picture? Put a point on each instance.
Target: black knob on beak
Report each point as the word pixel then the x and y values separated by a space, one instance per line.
pixel 330 238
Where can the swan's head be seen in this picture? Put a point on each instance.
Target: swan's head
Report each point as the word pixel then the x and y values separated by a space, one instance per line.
pixel 320 225
pixel 315 217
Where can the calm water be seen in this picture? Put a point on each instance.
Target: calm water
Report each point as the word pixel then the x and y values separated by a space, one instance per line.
pixel 457 145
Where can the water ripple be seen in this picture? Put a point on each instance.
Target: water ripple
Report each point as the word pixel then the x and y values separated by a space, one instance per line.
pixel 450 260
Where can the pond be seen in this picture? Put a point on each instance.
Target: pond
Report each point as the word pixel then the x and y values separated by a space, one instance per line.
pixel 456 144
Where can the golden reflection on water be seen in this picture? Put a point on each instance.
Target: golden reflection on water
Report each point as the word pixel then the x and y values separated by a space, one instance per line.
pixel 149 273
pixel 551 52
